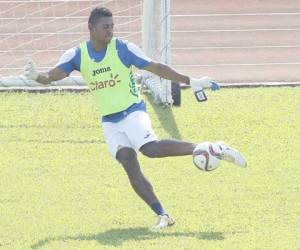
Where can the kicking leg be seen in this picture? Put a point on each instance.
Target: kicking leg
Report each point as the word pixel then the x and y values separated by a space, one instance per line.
pixel 170 147
pixel 164 148
pixel 230 154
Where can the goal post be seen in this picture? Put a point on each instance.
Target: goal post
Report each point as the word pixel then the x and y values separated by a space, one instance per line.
pixel 44 29
pixel 156 37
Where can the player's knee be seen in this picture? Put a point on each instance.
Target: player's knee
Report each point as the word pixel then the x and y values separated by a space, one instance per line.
pixel 151 150
pixel 126 156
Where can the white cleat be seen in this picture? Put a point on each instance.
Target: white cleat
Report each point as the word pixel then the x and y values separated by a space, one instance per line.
pixel 163 222
pixel 231 155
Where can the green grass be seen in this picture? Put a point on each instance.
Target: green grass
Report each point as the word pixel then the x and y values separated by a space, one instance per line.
pixel 60 188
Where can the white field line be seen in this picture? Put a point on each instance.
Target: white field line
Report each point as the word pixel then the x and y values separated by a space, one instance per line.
pixel 234 64
pixel 237 47
pixel 232 30
pixel 240 14
pixel 195 65
pixel 84 88
pixel 178 48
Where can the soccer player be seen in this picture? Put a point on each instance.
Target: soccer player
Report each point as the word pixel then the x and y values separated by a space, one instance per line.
pixel 106 64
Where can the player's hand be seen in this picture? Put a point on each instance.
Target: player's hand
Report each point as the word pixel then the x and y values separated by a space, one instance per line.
pixel 203 83
pixel 30 70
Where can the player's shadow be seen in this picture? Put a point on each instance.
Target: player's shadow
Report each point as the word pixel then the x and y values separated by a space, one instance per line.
pixel 116 237
pixel 165 116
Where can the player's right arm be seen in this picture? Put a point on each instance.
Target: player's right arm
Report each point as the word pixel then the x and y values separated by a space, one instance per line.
pixel 68 62
pixel 54 74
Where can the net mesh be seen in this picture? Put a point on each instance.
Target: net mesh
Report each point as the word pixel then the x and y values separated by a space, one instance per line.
pixel 44 30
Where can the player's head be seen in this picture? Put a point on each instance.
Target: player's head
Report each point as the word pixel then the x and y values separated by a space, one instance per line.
pixel 101 25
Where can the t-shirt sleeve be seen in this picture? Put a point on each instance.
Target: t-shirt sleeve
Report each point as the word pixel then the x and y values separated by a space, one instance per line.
pixel 130 54
pixel 138 57
pixel 70 60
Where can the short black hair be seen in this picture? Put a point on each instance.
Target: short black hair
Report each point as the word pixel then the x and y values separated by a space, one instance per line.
pixel 98 13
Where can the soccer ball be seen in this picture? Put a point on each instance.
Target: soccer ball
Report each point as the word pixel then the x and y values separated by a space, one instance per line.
pixel 206 156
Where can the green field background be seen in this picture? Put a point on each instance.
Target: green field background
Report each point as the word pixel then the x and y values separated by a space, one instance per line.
pixel 60 188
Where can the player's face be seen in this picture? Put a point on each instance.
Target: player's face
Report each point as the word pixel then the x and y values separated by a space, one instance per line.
pixel 103 30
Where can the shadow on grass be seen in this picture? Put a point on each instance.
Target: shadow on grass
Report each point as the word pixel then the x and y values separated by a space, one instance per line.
pixel 165 117
pixel 116 237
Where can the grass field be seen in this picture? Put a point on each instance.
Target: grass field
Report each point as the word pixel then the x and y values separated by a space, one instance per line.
pixel 60 188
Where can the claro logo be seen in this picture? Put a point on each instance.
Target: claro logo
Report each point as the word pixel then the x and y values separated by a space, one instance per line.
pixel 105 84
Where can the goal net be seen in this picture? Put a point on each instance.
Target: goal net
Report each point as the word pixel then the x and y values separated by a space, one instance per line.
pixel 43 30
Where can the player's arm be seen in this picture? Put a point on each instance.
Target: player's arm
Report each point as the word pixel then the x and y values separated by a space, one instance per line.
pixel 137 58
pixel 68 62
pixel 54 74
pixel 169 73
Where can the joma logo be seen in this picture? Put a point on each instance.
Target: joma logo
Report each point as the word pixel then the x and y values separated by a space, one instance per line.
pixel 105 84
pixel 100 71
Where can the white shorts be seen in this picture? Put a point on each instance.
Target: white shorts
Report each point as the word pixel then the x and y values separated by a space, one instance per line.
pixel 133 131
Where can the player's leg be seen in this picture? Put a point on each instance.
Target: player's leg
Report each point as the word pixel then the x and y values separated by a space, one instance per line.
pixel 121 149
pixel 128 158
pixel 168 147
pixel 139 129
pixel 230 154
pixel 165 148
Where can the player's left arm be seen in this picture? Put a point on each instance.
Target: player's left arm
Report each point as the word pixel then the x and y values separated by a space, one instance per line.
pixel 169 73
pixel 135 56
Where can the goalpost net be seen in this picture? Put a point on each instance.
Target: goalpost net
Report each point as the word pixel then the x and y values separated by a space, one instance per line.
pixel 44 29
